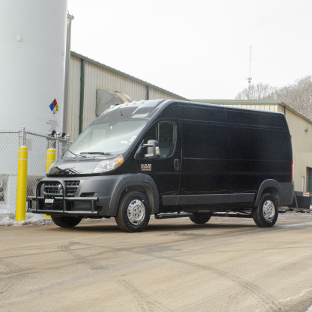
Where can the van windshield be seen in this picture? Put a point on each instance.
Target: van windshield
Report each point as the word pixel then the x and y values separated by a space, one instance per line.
pixel 106 138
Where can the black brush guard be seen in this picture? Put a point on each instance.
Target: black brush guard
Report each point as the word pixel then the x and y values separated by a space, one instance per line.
pixel 64 200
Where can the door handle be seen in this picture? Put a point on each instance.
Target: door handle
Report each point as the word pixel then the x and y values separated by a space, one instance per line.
pixel 176 164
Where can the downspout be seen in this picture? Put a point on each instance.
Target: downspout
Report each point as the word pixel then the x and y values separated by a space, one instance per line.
pixel 82 82
pixel 67 60
pixel 147 92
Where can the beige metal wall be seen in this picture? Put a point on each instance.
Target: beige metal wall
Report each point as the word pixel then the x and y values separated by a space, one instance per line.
pixel 71 114
pixel 157 95
pixel 267 107
pixel 301 134
pixel 99 76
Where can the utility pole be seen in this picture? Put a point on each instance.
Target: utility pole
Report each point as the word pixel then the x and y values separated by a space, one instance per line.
pixel 249 78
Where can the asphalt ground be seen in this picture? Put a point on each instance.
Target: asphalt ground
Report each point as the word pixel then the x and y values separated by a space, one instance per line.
pixel 228 264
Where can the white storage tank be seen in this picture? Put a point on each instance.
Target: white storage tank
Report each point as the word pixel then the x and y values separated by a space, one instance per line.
pixel 32 64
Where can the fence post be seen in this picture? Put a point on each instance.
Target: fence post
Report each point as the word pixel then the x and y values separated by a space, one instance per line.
pixel 23 137
pixel 21 182
pixel 50 160
pixel 58 137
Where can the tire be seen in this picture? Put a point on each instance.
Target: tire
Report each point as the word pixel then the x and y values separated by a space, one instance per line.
pixel 200 218
pixel 133 212
pixel 266 214
pixel 66 222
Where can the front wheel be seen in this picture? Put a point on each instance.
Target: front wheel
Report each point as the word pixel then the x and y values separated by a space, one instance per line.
pixel 133 213
pixel 266 214
pixel 200 218
pixel 66 222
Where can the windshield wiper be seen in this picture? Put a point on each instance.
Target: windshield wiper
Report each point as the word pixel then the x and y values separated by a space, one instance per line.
pixel 77 155
pixel 94 153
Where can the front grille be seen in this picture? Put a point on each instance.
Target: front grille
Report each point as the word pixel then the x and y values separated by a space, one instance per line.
pixel 71 187
pixel 55 188
pixel 52 188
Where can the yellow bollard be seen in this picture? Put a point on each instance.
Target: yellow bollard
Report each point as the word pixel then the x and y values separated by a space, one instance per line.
pixel 50 157
pixel 21 184
pixel 51 153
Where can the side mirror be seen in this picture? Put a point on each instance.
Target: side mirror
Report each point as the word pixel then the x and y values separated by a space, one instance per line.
pixel 152 149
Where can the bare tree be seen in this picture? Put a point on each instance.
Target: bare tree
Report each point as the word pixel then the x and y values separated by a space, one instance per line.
pixel 297 96
pixel 256 92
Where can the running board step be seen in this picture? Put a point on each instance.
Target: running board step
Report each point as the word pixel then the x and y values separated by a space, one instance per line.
pixel 232 215
pixel 172 215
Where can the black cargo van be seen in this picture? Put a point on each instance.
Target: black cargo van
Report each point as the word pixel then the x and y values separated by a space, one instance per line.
pixel 171 159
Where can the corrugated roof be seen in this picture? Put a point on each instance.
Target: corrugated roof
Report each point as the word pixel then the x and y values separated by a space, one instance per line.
pixel 125 75
pixel 254 102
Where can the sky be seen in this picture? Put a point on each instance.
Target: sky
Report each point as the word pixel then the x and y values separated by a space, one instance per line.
pixel 199 49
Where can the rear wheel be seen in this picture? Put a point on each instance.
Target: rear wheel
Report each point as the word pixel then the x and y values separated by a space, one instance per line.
pixel 200 218
pixel 66 222
pixel 266 214
pixel 133 213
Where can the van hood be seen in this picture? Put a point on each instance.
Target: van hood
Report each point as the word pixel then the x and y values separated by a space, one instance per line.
pixel 73 167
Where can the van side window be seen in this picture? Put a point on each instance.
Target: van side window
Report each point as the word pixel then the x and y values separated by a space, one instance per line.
pixel 165 134
pixel 166 138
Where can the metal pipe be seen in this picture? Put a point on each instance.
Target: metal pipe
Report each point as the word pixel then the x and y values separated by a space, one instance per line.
pixel 82 82
pixel 23 137
pixel 67 60
pixel 57 147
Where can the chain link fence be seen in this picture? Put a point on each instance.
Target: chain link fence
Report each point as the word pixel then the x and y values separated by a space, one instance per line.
pixel 37 145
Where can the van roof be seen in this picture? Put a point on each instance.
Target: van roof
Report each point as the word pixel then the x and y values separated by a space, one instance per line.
pixel 135 109
pixel 148 108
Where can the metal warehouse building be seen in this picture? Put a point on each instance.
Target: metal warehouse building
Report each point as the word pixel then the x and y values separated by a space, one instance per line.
pixel 300 128
pixel 88 78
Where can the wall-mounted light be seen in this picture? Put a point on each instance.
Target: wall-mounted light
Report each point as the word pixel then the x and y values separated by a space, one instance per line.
pixel 306 130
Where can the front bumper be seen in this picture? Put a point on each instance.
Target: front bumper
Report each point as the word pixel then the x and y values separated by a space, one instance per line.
pixel 59 203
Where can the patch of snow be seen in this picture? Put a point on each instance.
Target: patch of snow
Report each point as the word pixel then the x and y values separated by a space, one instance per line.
pixel 7 218
pixel 295 225
pixel 310 309
pixel 303 293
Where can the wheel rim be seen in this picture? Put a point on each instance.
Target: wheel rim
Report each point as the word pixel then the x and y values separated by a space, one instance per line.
pixel 268 210
pixel 136 212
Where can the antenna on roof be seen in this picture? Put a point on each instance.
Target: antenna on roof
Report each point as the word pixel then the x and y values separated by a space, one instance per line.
pixel 249 78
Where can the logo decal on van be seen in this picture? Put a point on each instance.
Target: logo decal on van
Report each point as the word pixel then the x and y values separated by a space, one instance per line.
pixel 146 167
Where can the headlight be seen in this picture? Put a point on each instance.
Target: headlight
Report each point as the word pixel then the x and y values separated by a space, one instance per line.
pixel 108 164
